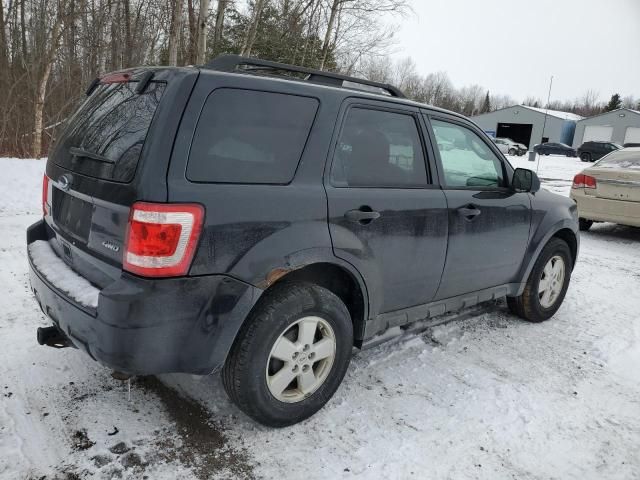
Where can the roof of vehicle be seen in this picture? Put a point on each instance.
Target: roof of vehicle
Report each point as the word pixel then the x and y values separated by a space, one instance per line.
pixel 329 82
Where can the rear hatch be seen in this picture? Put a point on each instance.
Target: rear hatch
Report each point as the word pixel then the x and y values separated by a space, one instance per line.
pixel 618 176
pixel 112 152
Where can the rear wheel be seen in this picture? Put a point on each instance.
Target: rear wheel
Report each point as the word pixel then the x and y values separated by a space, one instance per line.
pixel 547 284
pixel 585 157
pixel 584 224
pixel 512 151
pixel 291 355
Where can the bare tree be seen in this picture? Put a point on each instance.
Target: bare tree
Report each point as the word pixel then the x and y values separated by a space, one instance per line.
pixel 174 30
pixel 202 32
pixel 253 28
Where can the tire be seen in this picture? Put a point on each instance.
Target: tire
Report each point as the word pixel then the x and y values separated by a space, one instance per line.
pixel 512 151
pixel 249 374
pixel 529 305
pixel 585 157
pixel 584 224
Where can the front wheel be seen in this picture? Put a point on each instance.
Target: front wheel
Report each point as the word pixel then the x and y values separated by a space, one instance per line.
pixel 512 151
pixel 547 284
pixel 291 355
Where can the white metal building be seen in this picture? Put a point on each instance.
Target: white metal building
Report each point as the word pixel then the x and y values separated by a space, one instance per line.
pixel 619 126
pixel 525 124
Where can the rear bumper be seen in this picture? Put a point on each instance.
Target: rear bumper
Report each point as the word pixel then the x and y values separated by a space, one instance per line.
pixel 151 326
pixel 606 210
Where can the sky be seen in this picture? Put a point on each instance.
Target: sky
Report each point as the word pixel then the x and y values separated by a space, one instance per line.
pixel 514 46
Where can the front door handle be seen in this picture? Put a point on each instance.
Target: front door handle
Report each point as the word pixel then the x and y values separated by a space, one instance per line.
pixel 363 215
pixel 470 212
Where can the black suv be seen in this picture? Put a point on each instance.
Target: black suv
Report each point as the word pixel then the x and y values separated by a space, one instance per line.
pixel 592 151
pixel 263 219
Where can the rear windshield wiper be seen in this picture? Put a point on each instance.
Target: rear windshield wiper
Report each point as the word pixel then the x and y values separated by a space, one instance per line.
pixel 80 152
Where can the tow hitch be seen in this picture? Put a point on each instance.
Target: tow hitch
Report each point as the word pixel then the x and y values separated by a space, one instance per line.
pixel 53 337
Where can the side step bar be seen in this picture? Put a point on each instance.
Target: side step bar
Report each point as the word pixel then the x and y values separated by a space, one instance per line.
pixel 53 337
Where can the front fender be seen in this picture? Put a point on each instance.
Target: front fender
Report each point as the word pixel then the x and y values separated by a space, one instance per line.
pixel 551 214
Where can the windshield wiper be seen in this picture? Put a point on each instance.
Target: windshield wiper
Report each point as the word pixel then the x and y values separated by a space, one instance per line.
pixel 81 152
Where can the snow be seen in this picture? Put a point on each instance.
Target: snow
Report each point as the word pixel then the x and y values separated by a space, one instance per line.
pixel 61 276
pixel 488 397
pixel 556 113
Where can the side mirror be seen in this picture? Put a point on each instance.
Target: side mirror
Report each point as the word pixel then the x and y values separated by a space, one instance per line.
pixel 525 180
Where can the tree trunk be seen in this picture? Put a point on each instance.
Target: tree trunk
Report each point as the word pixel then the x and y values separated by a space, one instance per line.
pixel 193 33
pixel 327 35
pixel 50 57
pixel 202 32
pixel 253 29
pixel 174 32
pixel 217 34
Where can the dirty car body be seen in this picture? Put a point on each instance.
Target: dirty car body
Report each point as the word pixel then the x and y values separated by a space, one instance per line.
pixel 422 241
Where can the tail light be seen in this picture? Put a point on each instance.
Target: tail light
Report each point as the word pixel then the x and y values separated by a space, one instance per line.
pixel 45 194
pixel 583 181
pixel 162 238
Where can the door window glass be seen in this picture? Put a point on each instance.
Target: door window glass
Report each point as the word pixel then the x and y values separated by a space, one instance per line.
pixel 466 160
pixel 379 149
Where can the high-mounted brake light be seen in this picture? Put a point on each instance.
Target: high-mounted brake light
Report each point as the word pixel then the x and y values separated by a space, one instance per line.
pixel 162 238
pixel 583 181
pixel 45 194
pixel 115 78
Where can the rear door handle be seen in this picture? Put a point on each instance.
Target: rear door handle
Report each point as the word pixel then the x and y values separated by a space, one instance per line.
pixel 470 212
pixel 363 215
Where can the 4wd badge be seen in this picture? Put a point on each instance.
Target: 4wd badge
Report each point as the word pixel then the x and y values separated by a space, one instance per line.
pixel 111 246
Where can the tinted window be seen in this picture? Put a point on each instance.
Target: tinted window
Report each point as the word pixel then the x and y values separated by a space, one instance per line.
pixel 466 160
pixel 105 136
pixel 379 149
pixel 245 136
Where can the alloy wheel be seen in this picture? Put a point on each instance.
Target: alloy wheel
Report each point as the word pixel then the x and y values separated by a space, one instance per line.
pixel 301 359
pixel 551 281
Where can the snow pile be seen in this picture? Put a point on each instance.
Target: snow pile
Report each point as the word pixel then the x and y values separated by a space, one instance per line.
pixel 61 276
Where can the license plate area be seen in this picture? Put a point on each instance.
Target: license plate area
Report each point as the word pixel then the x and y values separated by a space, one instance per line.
pixel 71 214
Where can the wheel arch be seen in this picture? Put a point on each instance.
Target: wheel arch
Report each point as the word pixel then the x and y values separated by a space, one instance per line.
pixel 565 231
pixel 338 279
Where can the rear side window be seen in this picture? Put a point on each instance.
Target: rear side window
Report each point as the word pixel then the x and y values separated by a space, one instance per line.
pixel 379 149
pixel 105 136
pixel 245 136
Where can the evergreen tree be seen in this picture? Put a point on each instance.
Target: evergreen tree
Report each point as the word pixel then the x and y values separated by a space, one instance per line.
pixel 486 106
pixel 614 103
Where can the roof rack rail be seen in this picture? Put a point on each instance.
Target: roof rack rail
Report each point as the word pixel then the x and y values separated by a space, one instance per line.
pixel 237 63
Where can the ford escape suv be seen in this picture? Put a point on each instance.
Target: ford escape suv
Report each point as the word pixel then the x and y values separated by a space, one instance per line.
pixel 261 220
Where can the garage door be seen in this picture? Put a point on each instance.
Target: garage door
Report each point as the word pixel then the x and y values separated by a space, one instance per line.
pixel 632 135
pixel 597 133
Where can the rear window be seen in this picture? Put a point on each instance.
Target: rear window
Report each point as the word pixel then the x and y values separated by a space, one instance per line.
pixel 620 159
pixel 105 136
pixel 246 136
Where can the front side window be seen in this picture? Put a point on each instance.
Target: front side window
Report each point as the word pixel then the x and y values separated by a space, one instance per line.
pixel 379 149
pixel 246 136
pixel 466 160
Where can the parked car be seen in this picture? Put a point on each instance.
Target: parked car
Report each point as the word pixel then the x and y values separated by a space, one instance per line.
pixel 502 146
pixel 609 191
pixel 206 219
pixel 592 151
pixel 554 149
pixel 513 148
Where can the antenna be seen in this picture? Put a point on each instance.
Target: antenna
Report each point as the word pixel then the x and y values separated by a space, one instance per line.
pixel 544 124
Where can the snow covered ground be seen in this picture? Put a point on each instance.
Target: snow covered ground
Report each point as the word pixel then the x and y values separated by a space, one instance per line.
pixel 486 397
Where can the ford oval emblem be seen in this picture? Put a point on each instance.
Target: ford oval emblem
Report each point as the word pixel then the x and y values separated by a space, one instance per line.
pixel 64 182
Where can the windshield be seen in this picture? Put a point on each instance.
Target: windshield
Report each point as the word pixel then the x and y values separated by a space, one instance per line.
pixel 104 138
